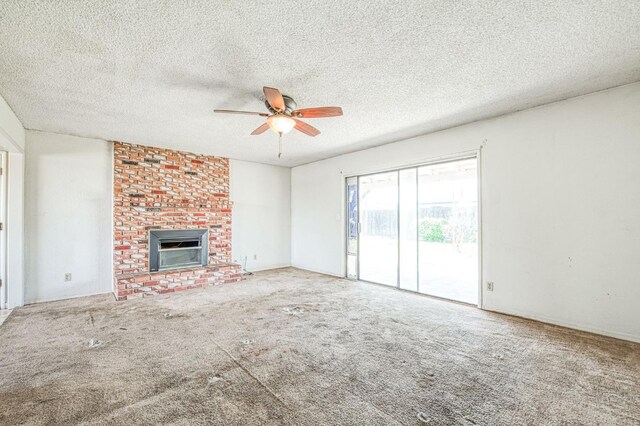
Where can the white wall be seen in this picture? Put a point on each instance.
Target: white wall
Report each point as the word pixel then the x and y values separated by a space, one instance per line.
pixel 261 223
pixel 560 208
pixel 68 216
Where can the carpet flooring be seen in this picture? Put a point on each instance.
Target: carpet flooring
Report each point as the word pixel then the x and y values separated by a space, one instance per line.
pixel 294 347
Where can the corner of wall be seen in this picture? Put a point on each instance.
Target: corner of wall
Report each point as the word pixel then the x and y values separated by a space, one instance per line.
pixel 261 196
pixel 112 220
pixel 12 132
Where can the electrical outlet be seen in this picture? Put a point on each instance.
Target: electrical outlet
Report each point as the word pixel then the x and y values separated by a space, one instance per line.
pixel 67 276
pixel 255 257
pixel 490 285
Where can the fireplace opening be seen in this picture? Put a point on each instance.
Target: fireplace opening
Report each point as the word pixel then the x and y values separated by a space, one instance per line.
pixel 177 249
pixel 177 244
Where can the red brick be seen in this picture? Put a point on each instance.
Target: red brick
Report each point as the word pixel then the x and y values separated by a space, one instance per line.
pixel 183 202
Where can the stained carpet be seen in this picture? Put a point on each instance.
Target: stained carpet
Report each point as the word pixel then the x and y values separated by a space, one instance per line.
pixel 294 347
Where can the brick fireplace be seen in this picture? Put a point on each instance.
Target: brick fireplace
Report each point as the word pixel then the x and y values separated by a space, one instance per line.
pixel 163 190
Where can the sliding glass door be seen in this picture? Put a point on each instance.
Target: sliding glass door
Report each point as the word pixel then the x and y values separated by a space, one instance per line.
pixel 448 230
pixel 378 210
pixel 416 229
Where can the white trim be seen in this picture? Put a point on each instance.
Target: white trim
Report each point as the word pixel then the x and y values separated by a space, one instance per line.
pixel 4 315
pixel 38 301
pixel 14 144
pixel 428 161
pixel 344 224
pixel 15 176
pixel 480 241
pixel 598 332
pixel 332 274
pixel 269 268
pixel 113 224
pixel 3 232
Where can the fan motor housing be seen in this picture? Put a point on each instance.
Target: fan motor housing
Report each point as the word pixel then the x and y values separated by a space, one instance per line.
pixel 289 105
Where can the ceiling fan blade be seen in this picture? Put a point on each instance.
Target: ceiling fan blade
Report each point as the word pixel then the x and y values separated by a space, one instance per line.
pixel 317 112
pixel 230 111
pixel 260 130
pixel 274 97
pixel 306 129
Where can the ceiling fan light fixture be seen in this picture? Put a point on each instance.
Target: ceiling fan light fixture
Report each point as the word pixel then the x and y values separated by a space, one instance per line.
pixel 281 124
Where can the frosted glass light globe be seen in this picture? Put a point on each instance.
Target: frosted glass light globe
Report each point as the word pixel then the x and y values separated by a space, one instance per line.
pixel 281 124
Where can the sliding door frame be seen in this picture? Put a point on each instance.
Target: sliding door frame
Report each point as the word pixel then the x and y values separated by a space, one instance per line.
pixel 345 209
pixel 467 155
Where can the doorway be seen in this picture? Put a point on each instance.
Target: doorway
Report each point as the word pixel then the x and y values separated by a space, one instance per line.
pixel 417 229
pixel 3 239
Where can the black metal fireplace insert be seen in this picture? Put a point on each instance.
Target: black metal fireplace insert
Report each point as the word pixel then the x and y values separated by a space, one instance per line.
pixel 174 249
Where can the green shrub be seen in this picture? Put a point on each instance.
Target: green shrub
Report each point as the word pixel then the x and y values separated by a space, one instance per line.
pixel 432 231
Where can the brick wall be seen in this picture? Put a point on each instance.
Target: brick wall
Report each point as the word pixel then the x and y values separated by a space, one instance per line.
pixel 156 188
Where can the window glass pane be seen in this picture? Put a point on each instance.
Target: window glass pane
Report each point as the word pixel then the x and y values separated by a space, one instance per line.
pixel 379 228
pixel 180 257
pixel 448 230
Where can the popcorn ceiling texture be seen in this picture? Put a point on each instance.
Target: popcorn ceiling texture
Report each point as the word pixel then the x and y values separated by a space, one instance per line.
pixel 151 72
pixel 162 189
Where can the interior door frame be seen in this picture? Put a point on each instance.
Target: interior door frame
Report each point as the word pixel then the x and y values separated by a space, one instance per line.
pixel 3 231
pixel 477 154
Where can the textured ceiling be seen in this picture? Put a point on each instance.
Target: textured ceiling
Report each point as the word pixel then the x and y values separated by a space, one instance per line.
pixel 151 72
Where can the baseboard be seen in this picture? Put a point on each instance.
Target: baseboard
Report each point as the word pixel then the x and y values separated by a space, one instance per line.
pixel 268 268
pixel 33 302
pixel 317 271
pixel 539 318
pixel 4 314
pixel 567 324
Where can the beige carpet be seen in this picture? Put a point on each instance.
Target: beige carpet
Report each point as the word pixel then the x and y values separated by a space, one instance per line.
pixel 294 347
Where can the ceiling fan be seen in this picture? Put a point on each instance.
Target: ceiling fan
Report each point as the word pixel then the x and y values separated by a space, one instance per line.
pixel 284 117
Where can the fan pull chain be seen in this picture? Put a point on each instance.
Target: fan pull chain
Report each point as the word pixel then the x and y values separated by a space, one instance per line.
pixel 280 145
